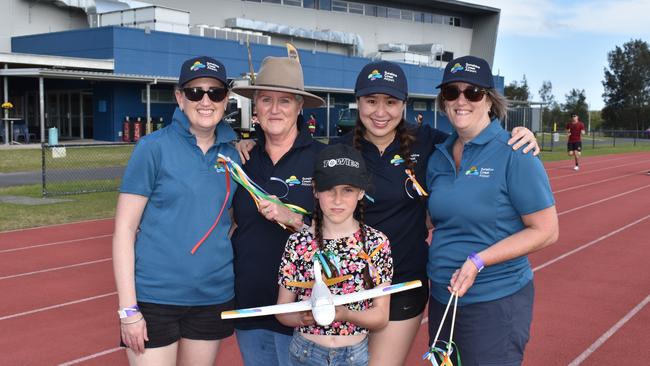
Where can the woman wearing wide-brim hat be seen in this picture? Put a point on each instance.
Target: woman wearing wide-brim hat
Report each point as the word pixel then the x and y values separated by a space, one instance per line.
pixel 282 163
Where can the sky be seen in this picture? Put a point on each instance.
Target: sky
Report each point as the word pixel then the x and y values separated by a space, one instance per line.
pixel 565 42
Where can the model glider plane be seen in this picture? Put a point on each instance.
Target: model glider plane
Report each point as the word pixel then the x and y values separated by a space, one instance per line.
pixel 321 303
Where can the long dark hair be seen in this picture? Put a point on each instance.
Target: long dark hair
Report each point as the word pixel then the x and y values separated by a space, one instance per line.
pixel 359 215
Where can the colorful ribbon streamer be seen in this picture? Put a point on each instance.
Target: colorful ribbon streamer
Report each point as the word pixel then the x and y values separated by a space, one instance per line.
pixel 418 188
pixel 441 356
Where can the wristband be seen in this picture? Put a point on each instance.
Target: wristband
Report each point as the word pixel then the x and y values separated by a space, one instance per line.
pixel 127 312
pixel 478 262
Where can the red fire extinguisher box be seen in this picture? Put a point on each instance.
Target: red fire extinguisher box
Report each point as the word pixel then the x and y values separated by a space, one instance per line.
pixel 126 130
pixel 138 129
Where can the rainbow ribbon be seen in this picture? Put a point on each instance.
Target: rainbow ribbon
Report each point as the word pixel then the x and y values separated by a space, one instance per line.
pixel 441 356
pixel 256 192
pixel 418 188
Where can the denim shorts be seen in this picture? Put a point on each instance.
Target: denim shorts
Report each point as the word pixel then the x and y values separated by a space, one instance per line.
pixel 305 352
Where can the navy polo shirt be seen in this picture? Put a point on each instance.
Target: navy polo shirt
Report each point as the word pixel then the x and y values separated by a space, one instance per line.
pixel 394 207
pixel 185 192
pixel 478 207
pixel 259 243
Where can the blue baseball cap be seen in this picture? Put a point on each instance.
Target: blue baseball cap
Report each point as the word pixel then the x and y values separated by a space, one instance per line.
pixel 202 67
pixel 468 69
pixel 382 77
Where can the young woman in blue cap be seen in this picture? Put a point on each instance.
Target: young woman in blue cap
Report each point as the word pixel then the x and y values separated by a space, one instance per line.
pixel 396 153
pixel 174 276
pixel 491 207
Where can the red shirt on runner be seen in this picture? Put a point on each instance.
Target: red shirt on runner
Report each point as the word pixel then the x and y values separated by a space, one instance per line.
pixel 576 129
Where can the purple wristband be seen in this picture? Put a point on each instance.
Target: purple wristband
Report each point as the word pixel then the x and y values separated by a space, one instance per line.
pixel 127 312
pixel 478 262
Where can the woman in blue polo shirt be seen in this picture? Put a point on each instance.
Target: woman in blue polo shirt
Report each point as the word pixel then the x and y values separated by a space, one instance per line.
pixel 174 274
pixel 395 203
pixel 491 206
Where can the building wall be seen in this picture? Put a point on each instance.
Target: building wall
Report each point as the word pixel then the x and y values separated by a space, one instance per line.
pixel 373 30
pixel 20 17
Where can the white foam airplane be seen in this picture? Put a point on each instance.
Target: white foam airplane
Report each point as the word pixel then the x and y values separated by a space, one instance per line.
pixel 322 302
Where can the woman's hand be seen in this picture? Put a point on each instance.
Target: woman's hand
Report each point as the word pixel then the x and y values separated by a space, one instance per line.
pixel 135 333
pixel 279 213
pixel 243 148
pixel 463 278
pixel 522 136
pixel 342 314
pixel 306 318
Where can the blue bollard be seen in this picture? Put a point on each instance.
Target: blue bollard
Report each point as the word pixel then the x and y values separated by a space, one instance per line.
pixel 53 136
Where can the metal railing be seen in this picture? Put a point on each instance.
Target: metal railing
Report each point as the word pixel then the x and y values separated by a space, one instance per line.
pixel 550 141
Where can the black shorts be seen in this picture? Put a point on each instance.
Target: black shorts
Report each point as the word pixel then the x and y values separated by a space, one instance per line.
pixel 167 324
pixel 574 146
pixel 409 304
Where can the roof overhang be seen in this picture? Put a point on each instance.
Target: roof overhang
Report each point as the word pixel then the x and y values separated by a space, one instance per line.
pixel 28 59
pixel 87 75
pixel 451 5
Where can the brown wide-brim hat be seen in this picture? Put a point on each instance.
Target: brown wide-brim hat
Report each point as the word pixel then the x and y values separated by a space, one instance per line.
pixel 282 74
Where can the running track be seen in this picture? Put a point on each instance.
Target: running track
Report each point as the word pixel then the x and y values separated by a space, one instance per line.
pixel 592 287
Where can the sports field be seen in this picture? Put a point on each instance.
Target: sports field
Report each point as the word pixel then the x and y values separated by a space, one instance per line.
pixel 592 287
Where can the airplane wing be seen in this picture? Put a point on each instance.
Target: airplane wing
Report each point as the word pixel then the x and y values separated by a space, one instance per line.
pixel 267 310
pixel 375 292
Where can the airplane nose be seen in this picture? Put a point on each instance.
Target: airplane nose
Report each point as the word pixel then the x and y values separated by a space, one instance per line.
pixel 324 314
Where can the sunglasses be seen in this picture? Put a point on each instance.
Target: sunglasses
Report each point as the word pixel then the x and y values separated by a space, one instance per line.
pixel 196 94
pixel 472 94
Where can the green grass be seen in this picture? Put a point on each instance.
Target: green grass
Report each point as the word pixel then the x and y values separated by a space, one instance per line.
pixel 23 160
pixel 561 154
pixel 81 207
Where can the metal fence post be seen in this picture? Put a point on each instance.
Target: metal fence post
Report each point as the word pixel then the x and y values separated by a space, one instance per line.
pixel 44 190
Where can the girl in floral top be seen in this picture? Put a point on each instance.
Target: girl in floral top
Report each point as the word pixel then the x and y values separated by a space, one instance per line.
pixel 346 248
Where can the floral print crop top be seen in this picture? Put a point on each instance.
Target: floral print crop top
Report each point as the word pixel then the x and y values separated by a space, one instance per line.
pixel 343 256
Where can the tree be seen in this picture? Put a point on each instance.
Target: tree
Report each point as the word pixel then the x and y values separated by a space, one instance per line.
pixel 576 103
pixel 517 91
pixel 551 112
pixel 627 87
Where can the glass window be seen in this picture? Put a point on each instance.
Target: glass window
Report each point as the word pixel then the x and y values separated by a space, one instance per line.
pixel 418 16
pixel 407 15
pixel 371 10
pixel 456 22
pixel 158 96
pixel 393 13
pixel 311 4
pixel 419 106
pixel 325 5
pixel 437 19
pixel 340 6
pixel 292 2
pixel 272 1
pixel 427 18
pixel 382 11
pixel 355 8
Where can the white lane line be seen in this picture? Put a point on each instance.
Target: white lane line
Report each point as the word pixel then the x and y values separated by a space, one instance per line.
pixel 582 247
pixel 55 225
pixel 6 317
pixel 603 200
pixel 55 268
pixel 603 338
pixel 599 181
pixel 56 243
pixel 90 357
pixel 584 172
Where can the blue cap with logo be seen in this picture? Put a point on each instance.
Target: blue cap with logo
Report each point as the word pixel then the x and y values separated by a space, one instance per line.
pixel 202 67
pixel 468 69
pixel 382 77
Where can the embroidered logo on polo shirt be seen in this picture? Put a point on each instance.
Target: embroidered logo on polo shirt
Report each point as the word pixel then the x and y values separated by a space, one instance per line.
pixel 306 181
pixel 218 167
pixel 414 158
pixel 292 181
pixel 397 160
pixel 479 172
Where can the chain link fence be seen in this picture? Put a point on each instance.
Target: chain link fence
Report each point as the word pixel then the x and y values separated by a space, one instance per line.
pixel 557 141
pixel 83 168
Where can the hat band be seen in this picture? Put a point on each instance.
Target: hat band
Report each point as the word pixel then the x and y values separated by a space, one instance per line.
pixel 279 86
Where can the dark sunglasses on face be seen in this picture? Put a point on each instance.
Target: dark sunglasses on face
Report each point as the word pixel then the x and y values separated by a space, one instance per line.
pixel 472 93
pixel 196 94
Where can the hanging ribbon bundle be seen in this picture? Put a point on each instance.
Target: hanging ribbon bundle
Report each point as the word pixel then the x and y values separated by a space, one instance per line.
pixel 416 185
pixel 440 352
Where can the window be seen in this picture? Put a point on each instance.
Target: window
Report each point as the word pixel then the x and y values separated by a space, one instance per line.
pixel 427 18
pixel 311 4
pixel 325 5
pixel 393 13
pixel 158 96
pixel 341 6
pixel 437 19
pixel 355 8
pixel 382 12
pixel 370 10
pixel 272 1
pixel 454 21
pixel 292 2
pixel 419 106
pixel 407 15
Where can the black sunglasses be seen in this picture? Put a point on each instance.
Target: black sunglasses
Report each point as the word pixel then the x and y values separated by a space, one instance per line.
pixel 472 93
pixel 196 94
